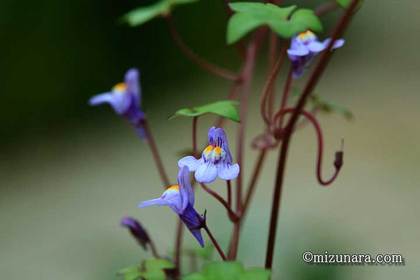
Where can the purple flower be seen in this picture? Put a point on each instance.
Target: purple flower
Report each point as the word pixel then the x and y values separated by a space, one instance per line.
pixel 136 230
pixel 180 198
pixel 125 99
pixel 303 49
pixel 215 160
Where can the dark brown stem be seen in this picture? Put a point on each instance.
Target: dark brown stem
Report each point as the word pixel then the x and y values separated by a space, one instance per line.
pixel 155 152
pixel 286 92
pixel 246 77
pixel 178 246
pixel 269 84
pixel 153 249
pixel 229 193
pixel 213 69
pixel 232 215
pixel 194 135
pixel 233 94
pixel 253 183
pixel 272 54
pixel 325 8
pixel 311 118
pixel 215 243
pixel 314 78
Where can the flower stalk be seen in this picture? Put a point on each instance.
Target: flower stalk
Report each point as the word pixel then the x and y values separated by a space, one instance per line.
pixel 314 78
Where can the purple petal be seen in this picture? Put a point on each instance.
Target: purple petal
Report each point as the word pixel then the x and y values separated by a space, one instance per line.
pixel 185 189
pixel 298 50
pixel 228 171
pixel 154 202
pixel 132 82
pixel 337 44
pixel 136 230
pixel 217 137
pixel 316 46
pixel 189 161
pixel 119 101
pixel 194 222
pixel 206 173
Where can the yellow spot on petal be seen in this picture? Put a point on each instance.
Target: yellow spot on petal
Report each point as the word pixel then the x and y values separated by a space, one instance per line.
pixel 173 188
pixel 208 149
pixel 306 35
pixel 120 87
pixel 218 151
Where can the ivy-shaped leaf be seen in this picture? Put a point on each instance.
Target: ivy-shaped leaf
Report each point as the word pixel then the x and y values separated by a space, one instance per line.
pixel 151 269
pixel 224 108
pixel 229 271
pixel 144 14
pixel 130 273
pixel 285 21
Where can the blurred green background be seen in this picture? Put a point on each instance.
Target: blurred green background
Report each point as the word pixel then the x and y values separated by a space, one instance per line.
pixel 69 172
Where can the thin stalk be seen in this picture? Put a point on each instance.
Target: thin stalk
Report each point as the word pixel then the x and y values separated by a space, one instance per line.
pixel 320 140
pixel 325 8
pixel 153 148
pixel 269 84
pixel 178 246
pixel 314 78
pixel 286 92
pixel 153 249
pixel 253 183
pixel 272 54
pixel 215 243
pixel 229 193
pixel 194 135
pixel 233 94
pixel 232 215
pixel 209 67
pixel 246 77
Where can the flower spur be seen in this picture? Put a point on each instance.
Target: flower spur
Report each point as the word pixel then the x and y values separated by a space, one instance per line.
pixel 125 99
pixel 215 161
pixel 180 198
pixel 303 49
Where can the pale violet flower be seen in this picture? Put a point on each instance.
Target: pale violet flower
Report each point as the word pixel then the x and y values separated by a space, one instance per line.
pixel 180 198
pixel 304 47
pixel 125 99
pixel 215 161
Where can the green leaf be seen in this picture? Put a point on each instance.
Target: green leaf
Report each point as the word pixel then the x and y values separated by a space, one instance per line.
pixel 205 253
pixel 343 3
pixel 249 16
pixel 256 273
pixel 151 269
pixel 229 271
pixel 130 273
pixel 225 108
pixel 346 3
pixel 157 264
pixel 144 14
pixel 223 270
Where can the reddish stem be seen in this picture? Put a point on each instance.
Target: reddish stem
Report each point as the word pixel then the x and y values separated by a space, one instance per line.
pixel 253 183
pixel 213 69
pixel 311 118
pixel 286 92
pixel 215 243
pixel 325 8
pixel 314 78
pixel 194 135
pixel 229 193
pixel 232 215
pixel 269 84
pixel 153 147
